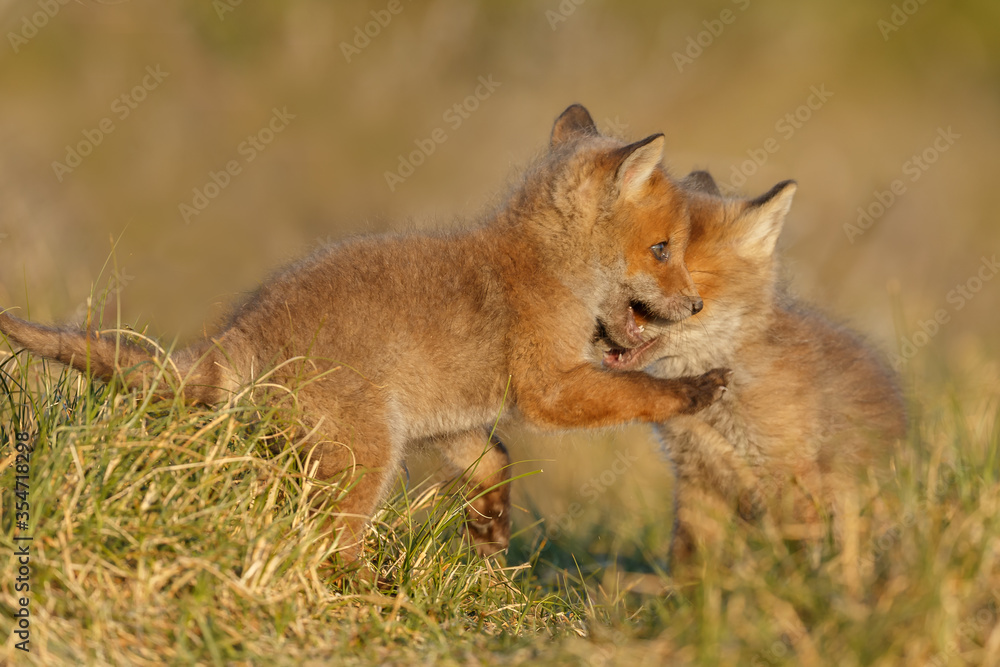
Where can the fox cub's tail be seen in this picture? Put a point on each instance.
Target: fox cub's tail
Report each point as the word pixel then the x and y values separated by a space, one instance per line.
pixel 192 372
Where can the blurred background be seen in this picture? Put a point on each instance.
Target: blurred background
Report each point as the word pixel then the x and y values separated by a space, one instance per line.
pixel 212 142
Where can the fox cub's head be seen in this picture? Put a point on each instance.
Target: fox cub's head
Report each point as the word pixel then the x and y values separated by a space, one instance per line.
pixel 730 255
pixel 639 222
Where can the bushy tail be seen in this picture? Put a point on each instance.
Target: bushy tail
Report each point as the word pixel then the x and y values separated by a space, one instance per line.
pixel 194 371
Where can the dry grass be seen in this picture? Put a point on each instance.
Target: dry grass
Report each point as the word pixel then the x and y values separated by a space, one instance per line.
pixel 167 533
pixel 164 533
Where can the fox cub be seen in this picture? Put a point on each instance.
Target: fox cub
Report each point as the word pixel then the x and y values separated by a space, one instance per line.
pixel 809 403
pixel 394 342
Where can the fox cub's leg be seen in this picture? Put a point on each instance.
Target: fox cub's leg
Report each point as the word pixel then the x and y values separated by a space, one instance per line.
pixel 713 482
pixel 352 446
pixel 362 477
pixel 586 397
pixel 484 467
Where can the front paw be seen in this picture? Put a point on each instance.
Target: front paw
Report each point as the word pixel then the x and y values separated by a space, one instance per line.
pixel 706 389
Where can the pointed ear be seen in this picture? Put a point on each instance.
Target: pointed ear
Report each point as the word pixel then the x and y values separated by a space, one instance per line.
pixel 763 218
pixel 701 181
pixel 638 163
pixel 573 123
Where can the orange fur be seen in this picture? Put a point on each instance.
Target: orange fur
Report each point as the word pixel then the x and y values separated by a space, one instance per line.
pixel 460 315
pixel 810 403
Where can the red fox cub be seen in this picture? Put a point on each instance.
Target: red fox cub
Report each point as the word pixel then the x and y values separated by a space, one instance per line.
pixel 395 341
pixel 809 403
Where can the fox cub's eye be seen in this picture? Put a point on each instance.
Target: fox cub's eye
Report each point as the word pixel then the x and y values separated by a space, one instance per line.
pixel 660 251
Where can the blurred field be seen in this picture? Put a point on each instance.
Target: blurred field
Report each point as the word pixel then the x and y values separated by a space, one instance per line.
pixel 322 177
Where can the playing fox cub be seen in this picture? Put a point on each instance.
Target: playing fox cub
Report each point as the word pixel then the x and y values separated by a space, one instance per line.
pixel 413 340
pixel 809 406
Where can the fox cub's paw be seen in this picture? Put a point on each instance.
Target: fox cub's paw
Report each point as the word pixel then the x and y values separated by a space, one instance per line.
pixel 751 505
pixel 706 389
pixel 488 521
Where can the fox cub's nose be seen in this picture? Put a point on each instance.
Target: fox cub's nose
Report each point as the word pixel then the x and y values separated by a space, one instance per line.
pixel 696 306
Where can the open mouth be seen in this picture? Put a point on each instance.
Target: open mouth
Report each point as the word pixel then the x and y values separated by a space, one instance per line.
pixel 621 359
pixel 617 357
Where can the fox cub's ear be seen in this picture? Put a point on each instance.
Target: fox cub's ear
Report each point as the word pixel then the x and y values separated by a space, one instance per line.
pixel 701 181
pixel 639 161
pixel 763 218
pixel 573 123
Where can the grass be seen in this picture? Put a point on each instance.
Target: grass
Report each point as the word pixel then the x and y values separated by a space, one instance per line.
pixel 166 533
